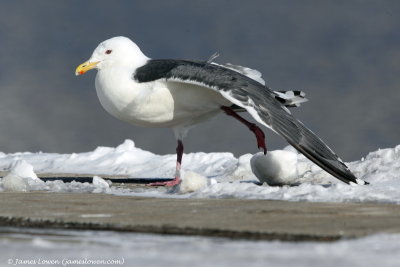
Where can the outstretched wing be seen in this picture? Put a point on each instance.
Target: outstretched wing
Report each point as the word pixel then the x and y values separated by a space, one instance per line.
pixel 257 99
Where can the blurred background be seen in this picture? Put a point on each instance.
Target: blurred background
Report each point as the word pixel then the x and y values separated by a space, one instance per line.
pixel 344 54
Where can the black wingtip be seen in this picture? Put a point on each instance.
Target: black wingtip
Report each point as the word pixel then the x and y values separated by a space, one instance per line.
pixel 340 171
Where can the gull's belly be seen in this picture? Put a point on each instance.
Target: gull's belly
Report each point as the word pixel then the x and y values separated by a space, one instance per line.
pixel 160 104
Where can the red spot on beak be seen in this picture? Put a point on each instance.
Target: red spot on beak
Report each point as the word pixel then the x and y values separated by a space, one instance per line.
pixel 81 72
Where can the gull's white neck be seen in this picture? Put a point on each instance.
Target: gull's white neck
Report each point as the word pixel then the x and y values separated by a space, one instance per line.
pixel 118 91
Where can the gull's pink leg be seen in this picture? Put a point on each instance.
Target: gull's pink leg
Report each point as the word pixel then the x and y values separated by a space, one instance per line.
pixel 177 180
pixel 252 127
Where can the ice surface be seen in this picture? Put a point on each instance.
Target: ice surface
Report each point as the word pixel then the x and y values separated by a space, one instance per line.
pixel 160 250
pixel 232 176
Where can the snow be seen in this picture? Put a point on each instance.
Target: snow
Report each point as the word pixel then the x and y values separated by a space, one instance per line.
pixel 275 168
pixel 192 182
pixel 208 175
pixel 125 159
pixel 21 178
pixel 159 250
pixel 101 185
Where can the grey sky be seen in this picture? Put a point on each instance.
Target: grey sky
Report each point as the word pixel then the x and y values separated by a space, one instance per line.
pixel 344 54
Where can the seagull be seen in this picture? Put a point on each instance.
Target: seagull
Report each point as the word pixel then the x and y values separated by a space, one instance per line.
pixel 179 94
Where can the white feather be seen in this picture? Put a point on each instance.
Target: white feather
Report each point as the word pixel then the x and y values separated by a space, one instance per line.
pixel 251 73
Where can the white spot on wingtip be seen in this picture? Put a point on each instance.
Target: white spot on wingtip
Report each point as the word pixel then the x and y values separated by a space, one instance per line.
pixel 361 182
pixel 358 182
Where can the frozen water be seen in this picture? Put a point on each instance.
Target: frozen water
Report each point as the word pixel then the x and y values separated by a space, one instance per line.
pixel 157 250
pixel 210 175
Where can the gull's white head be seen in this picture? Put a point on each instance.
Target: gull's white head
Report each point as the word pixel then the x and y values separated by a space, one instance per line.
pixel 118 51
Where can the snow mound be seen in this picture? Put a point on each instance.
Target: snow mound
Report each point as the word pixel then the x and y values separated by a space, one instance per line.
pixel 276 168
pixel 21 178
pixel 101 185
pixel 125 159
pixel 208 175
pixel 243 169
pixel 191 182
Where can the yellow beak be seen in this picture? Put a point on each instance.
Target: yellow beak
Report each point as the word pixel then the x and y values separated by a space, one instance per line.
pixel 84 67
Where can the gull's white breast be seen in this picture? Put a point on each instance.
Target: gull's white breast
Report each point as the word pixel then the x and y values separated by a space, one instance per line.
pixel 155 104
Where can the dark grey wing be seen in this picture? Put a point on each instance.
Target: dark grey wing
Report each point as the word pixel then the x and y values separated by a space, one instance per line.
pixel 257 99
pixel 290 99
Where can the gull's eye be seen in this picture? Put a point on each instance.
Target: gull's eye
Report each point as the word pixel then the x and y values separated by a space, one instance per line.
pixel 108 52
